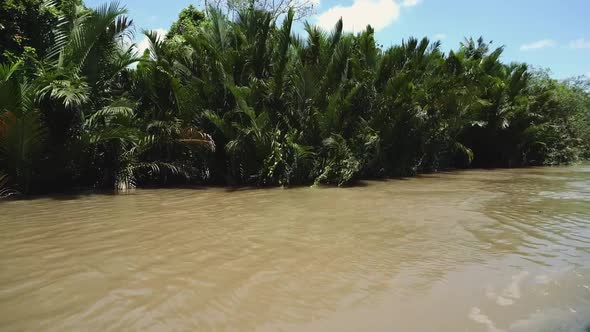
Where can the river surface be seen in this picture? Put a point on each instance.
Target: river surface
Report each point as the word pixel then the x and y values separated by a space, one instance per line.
pixel 478 250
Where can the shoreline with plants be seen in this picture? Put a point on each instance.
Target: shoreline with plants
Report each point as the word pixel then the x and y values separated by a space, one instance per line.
pixel 244 100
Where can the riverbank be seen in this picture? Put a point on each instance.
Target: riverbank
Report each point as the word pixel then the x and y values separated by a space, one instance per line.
pixel 254 104
pixel 81 192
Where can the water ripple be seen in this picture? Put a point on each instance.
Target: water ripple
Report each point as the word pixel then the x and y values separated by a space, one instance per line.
pixel 472 250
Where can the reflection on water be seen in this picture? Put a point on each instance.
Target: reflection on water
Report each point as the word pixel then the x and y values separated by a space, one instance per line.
pixel 501 250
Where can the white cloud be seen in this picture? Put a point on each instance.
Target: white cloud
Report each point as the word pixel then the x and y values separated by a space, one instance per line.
pixel 378 13
pixel 440 36
pixel 544 43
pixel 410 3
pixel 580 43
pixel 144 43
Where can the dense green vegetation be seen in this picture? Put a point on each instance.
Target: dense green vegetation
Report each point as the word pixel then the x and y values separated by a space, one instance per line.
pixel 247 101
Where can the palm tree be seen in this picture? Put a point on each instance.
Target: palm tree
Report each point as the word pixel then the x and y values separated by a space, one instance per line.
pixel 21 133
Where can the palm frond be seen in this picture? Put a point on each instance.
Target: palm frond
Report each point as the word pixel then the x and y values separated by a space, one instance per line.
pixel 72 92
pixel 5 190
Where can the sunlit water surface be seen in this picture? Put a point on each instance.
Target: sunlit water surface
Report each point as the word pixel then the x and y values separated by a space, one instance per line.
pixel 499 250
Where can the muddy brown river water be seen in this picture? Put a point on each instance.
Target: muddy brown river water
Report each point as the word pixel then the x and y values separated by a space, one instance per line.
pixel 478 250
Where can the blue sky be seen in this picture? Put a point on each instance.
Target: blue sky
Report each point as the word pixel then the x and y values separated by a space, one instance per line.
pixel 552 34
